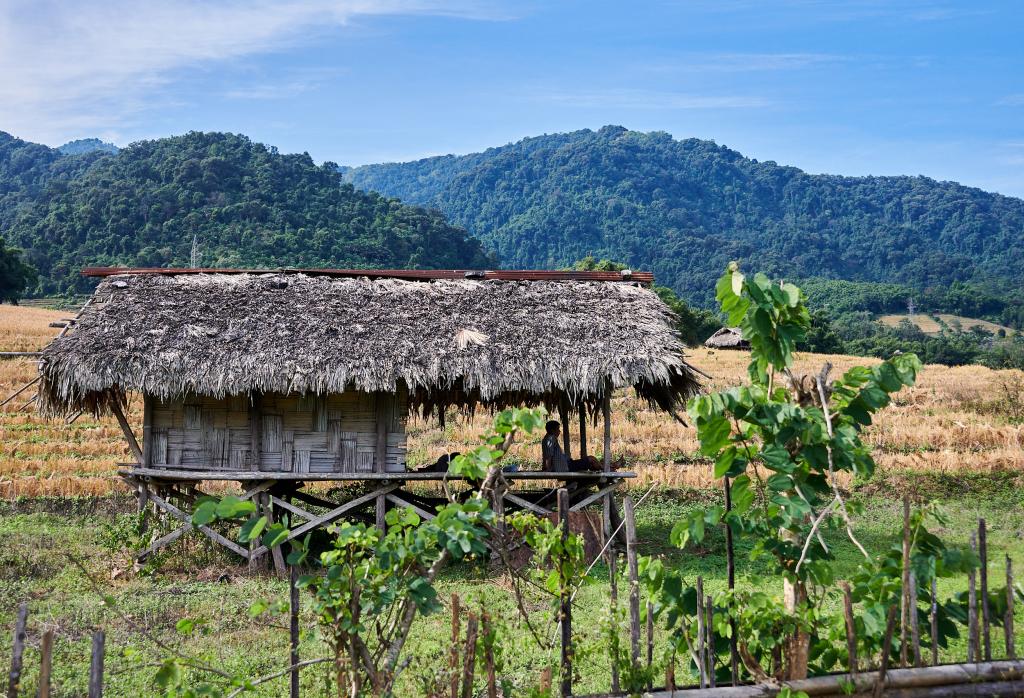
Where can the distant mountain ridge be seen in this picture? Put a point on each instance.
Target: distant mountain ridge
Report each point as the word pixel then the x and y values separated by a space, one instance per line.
pixel 684 208
pixel 246 204
pixel 87 145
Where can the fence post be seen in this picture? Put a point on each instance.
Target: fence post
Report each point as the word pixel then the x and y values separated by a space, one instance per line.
pixel 613 582
pixel 985 625
pixel 935 622
pixel 851 630
pixel 17 650
pixel 96 665
pixel 905 590
pixel 565 612
pixel 45 663
pixel 730 563
pixel 634 581
pixel 890 626
pixel 709 631
pixel 701 658
pixel 453 658
pixel 469 661
pixel 650 641
pixel 915 628
pixel 973 649
pixel 293 629
pixel 1008 620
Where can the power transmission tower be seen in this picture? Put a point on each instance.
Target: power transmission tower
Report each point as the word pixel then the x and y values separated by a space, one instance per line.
pixel 911 308
pixel 195 252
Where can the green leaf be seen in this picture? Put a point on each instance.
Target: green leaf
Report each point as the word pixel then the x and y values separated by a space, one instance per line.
pixel 742 494
pixel 251 529
pixel 276 535
pixel 231 507
pixel 714 434
pixel 205 513
pixel 169 675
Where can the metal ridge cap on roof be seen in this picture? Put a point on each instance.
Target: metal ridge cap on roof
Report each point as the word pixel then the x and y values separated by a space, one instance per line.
pixel 643 277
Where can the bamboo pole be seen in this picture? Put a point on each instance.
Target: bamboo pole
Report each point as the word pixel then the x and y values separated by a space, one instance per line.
pixel 96 665
pixel 469 660
pixel 915 627
pixel 851 630
pixel 565 611
pixel 986 634
pixel 453 657
pixel 1008 620
pixel 730 565
pixel 973 653
pixel 650 640
pixel 634 581
pixel 890 626
pixel 45 663
pixel 17 651
pixel 905 591
pixel 701 659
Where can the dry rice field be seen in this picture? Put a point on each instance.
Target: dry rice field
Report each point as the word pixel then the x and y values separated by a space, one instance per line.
pixel 967 419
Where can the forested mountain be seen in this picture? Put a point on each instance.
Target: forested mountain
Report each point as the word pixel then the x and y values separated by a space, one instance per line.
pixel 246 204
pixel 684 208
pixel 87 145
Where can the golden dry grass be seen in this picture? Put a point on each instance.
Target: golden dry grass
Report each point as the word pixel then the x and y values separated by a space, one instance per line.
pixel 955 420
pixel 927 324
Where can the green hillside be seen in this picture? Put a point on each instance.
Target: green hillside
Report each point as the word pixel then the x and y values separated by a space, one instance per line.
pixel 245 203
pixel 684 208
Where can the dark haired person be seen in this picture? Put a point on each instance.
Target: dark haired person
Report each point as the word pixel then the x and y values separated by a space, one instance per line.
pixel 553 457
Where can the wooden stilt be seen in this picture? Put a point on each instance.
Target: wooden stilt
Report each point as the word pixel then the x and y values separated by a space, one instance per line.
pixel 563 417
pixel 583 429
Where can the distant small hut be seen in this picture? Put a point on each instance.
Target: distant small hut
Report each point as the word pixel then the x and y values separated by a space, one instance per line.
pixel 727 338
pixel 278 379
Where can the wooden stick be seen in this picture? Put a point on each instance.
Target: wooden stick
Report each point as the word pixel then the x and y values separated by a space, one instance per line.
pixel 545 680
pixel 293 629
pixel 730 562
pixel 985 622
pixel 851 630
pixel 905 592
pixel 275 552
pixel 565 610
pixel 890 626
pixel 935 622
pixel 453 658
pixel 492 679
pixel 650 641
pixel 469 659
pixel 670 677
pixel 17 651
pixel 96 665
pixel 1008 620
pixel 19 391
pixel 915 627
pixel 45 663
pixel 634 581
pixel 583 430
pixel 133 444
pixel 563 417
pixel 606 409
pixel 613 582
pixel 701 658
pixel 973 649
pixel 709 632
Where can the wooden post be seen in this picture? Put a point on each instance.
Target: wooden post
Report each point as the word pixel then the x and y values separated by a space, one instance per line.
pixel 613 582
pixel 915 627
pixel 255 430
pixel 293 629
pixel 563 417
pixel 469 659
pixel 986 633
pixel 730 562
pixel 96 665
pixel 275 552
pixel 634 581
pixel 905 590
pixel 133 444
pixel 492 679
pixel 17 651
pixel 709 632
pixel 1008 619
pixel 851 630
pixel 143 505
pixel 583 429
pixel 606 409
pixel 545 680
pixel 701 657
pixel 650 639
pixel 45 663
pixel 973 649
pixel 565 612
pixel 147 431
pixel 935 622
pixel 890 627
pixel 453 657
pixel 380 458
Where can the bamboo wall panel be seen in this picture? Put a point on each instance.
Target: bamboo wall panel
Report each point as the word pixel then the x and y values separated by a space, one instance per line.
pixel 301 434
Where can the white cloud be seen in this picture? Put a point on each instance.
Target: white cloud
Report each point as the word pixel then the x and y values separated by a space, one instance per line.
pixel 71 67
pixel 650 99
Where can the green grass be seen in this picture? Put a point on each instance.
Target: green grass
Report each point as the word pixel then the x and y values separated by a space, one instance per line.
pixel 39 538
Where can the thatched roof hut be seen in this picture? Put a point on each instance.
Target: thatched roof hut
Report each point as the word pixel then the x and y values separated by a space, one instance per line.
pixel 727 338
pixel 448 341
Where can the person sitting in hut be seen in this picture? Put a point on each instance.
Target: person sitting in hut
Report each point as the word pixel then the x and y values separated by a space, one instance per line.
pixel 553 457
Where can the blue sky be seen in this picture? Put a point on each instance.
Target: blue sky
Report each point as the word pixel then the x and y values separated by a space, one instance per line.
pixel 930 87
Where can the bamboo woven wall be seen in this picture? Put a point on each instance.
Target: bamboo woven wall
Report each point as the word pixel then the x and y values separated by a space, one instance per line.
pixel 296 433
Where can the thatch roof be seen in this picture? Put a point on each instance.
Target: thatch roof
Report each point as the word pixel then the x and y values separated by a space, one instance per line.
pixel 462 342
pixel 727 338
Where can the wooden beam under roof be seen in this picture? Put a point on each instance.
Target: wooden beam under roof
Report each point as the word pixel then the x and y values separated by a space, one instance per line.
pixel 642 277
